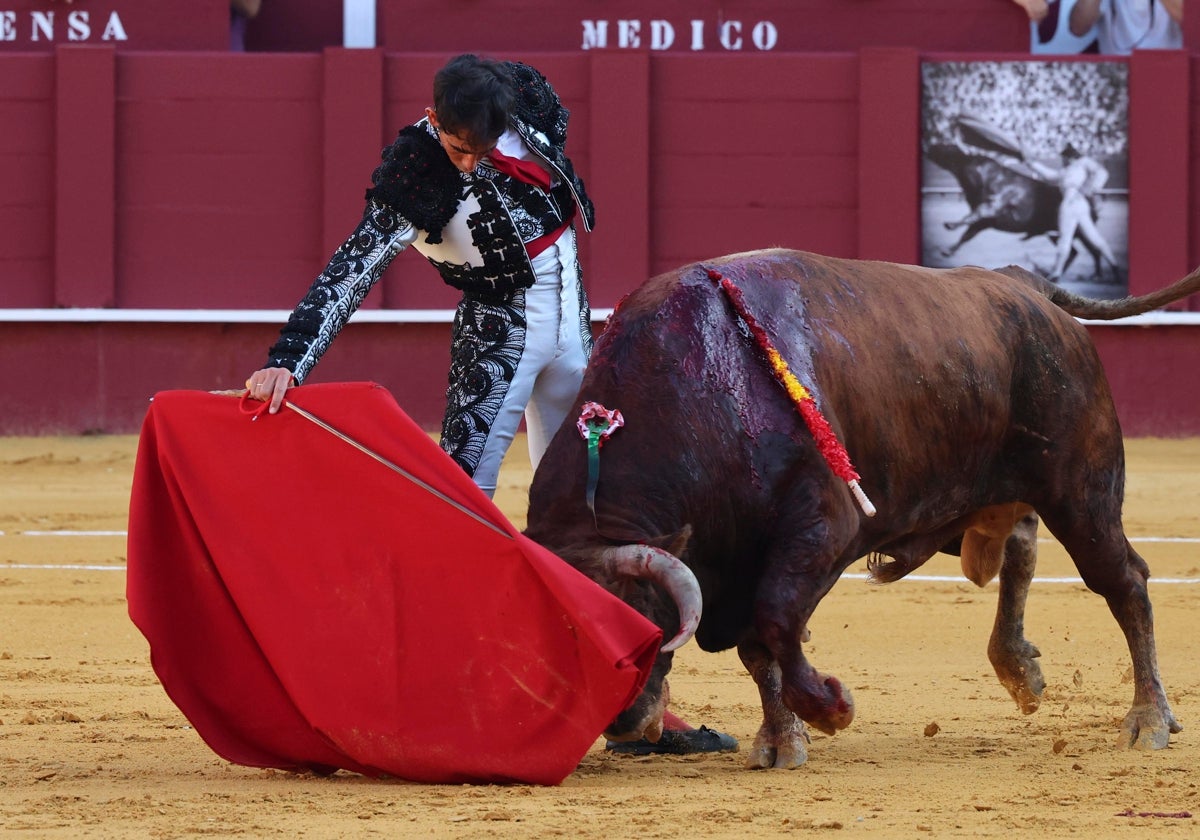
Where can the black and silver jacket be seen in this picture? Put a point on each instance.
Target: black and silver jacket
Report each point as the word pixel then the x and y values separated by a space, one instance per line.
pixel 470 226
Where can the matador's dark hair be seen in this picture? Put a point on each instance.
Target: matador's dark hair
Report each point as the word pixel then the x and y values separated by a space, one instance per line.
pixel 472 98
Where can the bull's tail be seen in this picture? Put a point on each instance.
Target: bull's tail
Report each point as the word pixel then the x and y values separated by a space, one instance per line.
pixel 1106 310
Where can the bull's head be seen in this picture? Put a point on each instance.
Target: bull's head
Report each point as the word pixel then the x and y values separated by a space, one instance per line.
pixel 661 587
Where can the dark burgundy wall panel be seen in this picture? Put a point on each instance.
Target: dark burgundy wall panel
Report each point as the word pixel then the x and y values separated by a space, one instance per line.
pixel 731 173
pixel 1158 195
pixel 27 180
pixel 84 144
pixel 1154 373
pixel 296 26
pixel 219 179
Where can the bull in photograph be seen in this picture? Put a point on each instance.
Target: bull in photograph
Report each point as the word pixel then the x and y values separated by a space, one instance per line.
pixel 999 197
pixel 972 404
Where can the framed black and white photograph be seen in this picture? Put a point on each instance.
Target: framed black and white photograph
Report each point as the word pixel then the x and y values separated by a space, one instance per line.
pixel 1027 163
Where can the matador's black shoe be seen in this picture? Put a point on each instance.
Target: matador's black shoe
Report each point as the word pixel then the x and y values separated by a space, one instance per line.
pixel 677 742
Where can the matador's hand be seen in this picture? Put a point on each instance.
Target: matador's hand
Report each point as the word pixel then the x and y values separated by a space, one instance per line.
pixel 270 384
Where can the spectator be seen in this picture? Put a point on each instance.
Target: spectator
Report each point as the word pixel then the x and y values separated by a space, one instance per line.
pixel 1036 9
pixel 241 11
pixel 1052 34
pixel 1123 26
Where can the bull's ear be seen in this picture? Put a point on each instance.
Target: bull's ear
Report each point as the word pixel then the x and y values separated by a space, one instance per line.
pixel 675 544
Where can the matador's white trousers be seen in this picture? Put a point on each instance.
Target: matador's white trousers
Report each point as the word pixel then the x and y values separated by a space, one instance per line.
pixel 551 365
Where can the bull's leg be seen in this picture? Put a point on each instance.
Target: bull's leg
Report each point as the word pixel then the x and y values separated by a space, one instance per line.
pixel 963 222
pixel 1110 567
pixel 782 740
pixel 819 699
pixel 974 226
pixel 787 596
pixel 1013 657
pixel 1150 720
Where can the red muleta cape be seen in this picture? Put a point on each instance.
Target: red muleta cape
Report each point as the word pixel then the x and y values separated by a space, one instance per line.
pixel 310 607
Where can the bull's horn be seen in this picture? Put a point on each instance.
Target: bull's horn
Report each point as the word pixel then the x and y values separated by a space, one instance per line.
pixel 667 570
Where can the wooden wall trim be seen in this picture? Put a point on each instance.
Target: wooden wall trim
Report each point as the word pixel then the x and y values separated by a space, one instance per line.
pixel 352 104
pixel 889 174
pixel 1159 181
pixel 85 177
pixel 619 143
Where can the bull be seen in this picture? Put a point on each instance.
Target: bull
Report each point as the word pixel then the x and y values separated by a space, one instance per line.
pixel 972 404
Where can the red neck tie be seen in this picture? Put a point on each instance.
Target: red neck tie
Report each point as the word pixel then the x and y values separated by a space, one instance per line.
pixel 522 170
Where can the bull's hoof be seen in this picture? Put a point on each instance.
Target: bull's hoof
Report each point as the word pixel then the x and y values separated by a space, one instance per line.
pixel 1147 727
pixel 1021 675
pixel 1026 695
pixel 831 712
pixel 786 752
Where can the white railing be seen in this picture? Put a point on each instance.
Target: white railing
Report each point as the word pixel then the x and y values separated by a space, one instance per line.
pixel 358 23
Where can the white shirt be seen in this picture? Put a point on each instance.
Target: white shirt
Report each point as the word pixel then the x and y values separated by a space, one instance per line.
pixel 1126 25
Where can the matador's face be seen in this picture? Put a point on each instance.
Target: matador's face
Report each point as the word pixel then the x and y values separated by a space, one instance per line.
pixel 464 152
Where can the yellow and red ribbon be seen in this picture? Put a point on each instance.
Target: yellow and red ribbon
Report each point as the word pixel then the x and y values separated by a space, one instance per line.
pixel 828 445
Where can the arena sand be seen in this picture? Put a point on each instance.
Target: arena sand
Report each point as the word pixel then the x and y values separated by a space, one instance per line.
pixel 90 746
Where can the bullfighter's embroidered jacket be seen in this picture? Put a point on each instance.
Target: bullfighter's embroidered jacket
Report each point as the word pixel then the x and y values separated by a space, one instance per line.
pixel 472 227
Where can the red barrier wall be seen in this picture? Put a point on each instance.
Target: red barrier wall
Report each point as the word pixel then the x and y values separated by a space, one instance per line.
pixel 73 378
pixel 177 181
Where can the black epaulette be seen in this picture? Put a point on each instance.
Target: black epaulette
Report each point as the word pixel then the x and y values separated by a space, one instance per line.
pixel 418 181
pixel 537 104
